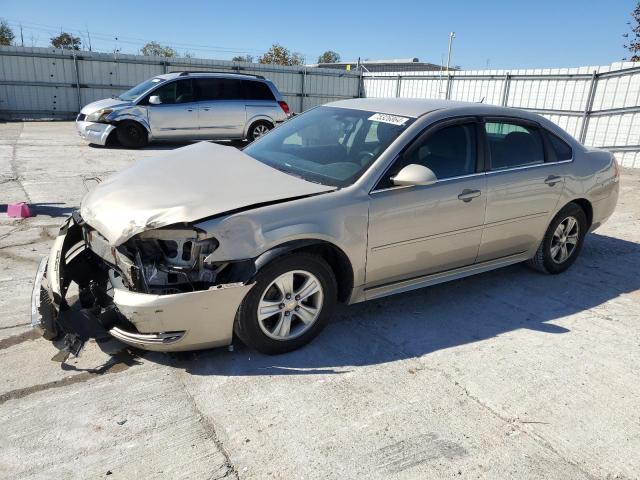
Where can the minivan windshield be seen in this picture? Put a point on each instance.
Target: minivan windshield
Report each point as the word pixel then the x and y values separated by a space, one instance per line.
pixel 135 92
pixel 329 145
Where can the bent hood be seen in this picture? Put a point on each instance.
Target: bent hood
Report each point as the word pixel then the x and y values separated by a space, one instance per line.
pixel 106 103
pixel 186 185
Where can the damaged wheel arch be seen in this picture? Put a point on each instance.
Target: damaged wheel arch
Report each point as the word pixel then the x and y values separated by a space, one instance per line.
pixel 332 254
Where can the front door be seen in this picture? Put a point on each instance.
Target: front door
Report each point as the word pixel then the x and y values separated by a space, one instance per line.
pixel 523 188
pixel 176 117
pixel 420 230
pixel 221 108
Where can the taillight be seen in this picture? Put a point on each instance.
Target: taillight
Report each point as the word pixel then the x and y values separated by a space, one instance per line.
pixel 284 107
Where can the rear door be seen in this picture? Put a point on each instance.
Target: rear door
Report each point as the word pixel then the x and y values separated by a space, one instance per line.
pixel 176 117
pixel 221 108
pixel 524 183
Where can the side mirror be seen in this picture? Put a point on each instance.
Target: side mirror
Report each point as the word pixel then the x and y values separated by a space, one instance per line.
pixel 155 100
pixel 414 174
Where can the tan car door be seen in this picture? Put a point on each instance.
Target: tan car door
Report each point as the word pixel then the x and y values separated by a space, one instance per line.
pixel 523 188
pixel 419 230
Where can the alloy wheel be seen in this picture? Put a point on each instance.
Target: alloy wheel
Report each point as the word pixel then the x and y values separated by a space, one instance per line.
pixel 565 239
pixel 260 130
pixel 290 305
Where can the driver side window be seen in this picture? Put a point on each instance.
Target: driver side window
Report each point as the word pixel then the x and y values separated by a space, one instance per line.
pixel 449 152
pixel 180 91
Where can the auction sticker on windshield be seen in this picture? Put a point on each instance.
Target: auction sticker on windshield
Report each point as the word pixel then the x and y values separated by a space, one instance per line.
pixel 386 118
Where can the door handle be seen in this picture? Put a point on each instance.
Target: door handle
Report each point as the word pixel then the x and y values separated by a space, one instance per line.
pixel 551 180
pixel 189 109
pixel 468 195
pixel 206 109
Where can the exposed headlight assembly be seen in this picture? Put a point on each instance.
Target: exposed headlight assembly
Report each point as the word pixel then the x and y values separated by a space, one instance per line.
pixel 167 258
pixel 99 115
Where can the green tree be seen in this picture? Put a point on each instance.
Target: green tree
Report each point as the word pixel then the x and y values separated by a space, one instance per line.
pixel 6 34
pixel 243 58
pixel 329 57
pixel 633 38
pixel 66 40
pixel 154 49
pixel 279 55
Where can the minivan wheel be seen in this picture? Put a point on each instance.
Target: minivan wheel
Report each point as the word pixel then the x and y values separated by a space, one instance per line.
pixel 259 129
pixel 290 303
pixel 132 135
pixel 562 242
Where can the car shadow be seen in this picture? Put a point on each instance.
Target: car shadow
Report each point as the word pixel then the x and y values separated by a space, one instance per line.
pixel 444 316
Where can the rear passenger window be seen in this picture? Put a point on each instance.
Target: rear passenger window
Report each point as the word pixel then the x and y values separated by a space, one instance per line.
pixel 560 147
pixel 257 90
pixel 513 145
pixel 218 89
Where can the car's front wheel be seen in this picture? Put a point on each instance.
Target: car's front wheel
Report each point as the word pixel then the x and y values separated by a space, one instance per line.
pixel 132 135
pixel 562 241
pixel 290 303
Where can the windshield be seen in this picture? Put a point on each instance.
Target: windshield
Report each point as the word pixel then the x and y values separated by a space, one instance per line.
pixel 329 145
pixel 135 92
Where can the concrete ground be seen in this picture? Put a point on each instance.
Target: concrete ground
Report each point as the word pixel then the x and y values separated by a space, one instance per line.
pixel 509 374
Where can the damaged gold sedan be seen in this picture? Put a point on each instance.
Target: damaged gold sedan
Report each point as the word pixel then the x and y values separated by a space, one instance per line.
pixel 348 202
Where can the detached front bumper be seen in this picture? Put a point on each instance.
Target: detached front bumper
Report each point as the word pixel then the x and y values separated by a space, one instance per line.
pixel 173 322
pixel 92 132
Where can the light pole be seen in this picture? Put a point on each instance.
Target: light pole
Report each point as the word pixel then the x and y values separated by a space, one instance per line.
pixel 452 35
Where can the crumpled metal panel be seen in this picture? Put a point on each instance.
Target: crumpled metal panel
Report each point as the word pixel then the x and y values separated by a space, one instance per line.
pixel 186 185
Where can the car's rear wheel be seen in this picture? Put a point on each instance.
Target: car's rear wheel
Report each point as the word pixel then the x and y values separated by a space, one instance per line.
pixel 562 241
pixel 132 135
pixel 290 303
pixel 259 129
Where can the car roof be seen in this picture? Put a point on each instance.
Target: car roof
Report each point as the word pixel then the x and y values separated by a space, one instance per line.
pixel 416 107
pixel 187 74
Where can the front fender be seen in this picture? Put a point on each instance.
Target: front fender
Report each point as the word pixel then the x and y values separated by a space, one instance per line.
pixel 134 113
pixel 338 219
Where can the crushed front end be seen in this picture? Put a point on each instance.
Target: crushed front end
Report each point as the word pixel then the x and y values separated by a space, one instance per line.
pixel 157 291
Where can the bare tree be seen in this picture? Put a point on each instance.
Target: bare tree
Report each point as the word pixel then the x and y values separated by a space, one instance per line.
pixel 6 34
pixel 633 38
pixel 243 58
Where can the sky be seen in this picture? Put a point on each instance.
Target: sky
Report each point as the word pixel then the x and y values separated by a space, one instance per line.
pixel 493 34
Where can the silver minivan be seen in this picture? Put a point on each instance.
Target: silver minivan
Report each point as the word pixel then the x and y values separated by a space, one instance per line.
pixel 183 106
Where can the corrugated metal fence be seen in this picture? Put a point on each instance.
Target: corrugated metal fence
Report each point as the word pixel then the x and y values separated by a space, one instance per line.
pixel 53 83
pixel 597 105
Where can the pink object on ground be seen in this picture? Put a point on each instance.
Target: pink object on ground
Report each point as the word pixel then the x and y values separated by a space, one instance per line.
pixel 18 210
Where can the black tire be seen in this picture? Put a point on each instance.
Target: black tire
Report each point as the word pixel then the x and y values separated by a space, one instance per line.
pixel 257 129
pixel 247 326
pixel 543 260
pixel 132 135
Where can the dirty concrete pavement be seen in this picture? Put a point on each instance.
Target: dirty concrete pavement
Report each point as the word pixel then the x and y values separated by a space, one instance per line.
pixel 509 374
